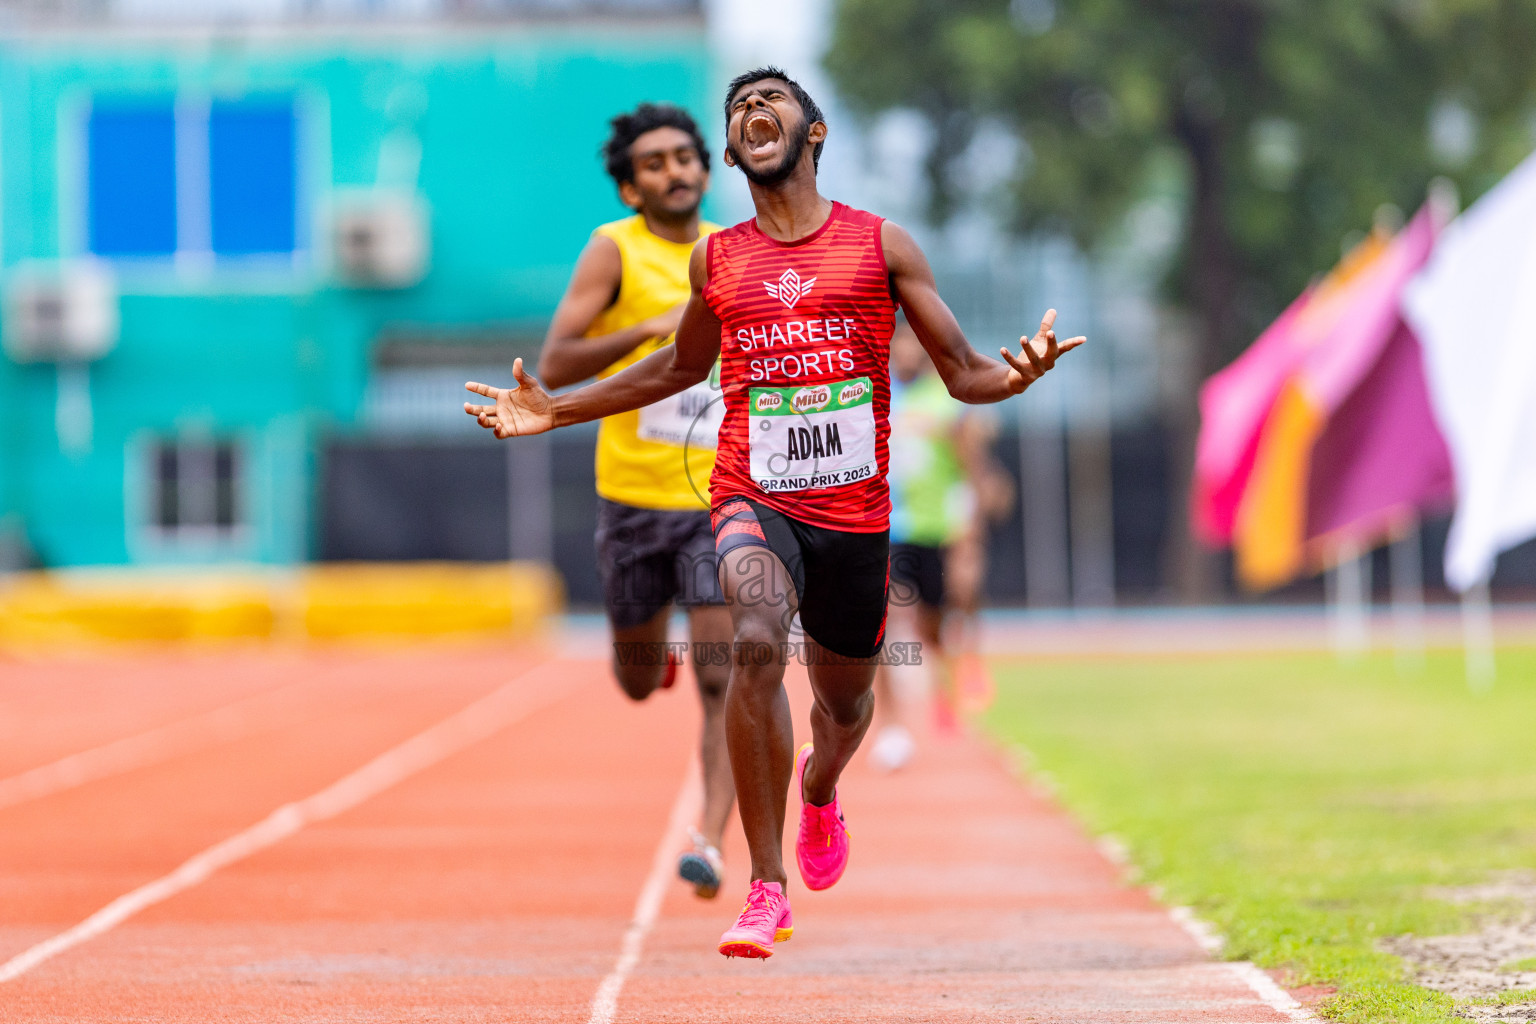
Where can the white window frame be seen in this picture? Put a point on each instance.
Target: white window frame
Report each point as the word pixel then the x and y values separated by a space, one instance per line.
pixel 195 266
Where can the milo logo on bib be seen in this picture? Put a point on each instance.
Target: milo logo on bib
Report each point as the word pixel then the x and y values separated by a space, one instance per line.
pixel 811 438
pixel 811 399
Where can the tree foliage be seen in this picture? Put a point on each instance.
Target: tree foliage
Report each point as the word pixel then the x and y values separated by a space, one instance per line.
pixel 1290 122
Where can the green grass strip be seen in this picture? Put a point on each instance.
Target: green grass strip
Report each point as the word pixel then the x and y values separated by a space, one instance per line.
pixel 1299 805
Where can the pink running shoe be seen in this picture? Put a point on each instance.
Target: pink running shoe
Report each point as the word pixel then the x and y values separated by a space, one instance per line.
pixel 765 919
pixel 821 848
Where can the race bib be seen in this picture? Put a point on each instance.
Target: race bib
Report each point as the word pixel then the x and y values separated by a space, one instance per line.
pixel 687 419
pixel 810 438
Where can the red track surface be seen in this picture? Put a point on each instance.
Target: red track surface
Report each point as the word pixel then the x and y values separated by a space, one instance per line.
pixel 497 884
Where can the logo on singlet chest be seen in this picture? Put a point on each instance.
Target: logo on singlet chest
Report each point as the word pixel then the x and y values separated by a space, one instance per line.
pixel 789 289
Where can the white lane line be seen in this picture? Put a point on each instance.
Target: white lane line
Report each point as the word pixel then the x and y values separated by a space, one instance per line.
pixel 1114 850
pixel 1269 991
pixel 1205 936
pixel 648 907
pixel 484 718
pixel 1262 985
pixel 221 725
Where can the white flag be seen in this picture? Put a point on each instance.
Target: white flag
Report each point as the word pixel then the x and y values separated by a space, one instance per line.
pixel 1474 310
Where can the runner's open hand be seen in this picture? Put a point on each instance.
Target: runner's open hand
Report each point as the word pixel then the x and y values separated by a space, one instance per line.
pixel 525 409
pixel 1041 351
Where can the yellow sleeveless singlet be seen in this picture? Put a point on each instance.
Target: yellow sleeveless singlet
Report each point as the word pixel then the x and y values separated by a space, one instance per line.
pixel 631 469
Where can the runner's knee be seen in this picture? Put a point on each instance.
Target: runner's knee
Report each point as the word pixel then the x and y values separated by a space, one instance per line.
pixel 847 712
pixel 638 681
pixel 713 680
pixel 756 649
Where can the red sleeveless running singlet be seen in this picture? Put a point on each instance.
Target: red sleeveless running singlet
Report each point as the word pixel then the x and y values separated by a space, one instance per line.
pixel 805 370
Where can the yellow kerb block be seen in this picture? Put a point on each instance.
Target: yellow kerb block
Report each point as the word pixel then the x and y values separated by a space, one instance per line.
pixel 397 600
pixel 49 609
pixel 427 599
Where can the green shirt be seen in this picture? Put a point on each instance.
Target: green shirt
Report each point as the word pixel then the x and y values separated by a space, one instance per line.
pixel 931 502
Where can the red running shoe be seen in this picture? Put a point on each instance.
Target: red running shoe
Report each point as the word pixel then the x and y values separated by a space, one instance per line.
pixel 974 682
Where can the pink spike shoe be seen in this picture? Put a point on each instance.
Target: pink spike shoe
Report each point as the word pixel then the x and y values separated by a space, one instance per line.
pixel 821 848
pixel 765 919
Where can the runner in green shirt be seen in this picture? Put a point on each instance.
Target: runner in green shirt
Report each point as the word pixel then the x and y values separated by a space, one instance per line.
pixel 943 488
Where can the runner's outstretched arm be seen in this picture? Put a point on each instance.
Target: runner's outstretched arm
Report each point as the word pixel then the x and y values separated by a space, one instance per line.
pixel 969 375
pixel 569 355
pixel 529 409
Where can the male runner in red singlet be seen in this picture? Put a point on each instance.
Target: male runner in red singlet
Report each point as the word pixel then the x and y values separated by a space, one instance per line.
pixel 798 304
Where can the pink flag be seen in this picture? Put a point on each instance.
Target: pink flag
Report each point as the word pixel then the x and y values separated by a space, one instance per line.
pixel 1323 430
pixel 1236 402
pixel 1233 406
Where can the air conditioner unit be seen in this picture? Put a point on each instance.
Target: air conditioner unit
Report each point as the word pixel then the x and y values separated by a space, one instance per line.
pixel 61 312
pixel 381 239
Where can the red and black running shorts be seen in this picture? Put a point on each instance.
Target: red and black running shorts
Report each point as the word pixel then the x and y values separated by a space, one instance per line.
pixel 841 578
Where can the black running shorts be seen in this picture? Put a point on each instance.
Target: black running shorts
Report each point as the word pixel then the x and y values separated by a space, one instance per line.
pixel 649 558
pixel 840 577
pixel 917 575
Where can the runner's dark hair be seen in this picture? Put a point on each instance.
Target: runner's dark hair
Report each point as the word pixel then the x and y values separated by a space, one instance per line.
pixel 812 111
pixel 626 128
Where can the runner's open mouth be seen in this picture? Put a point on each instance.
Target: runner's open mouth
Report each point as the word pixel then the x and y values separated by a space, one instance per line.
pixel 760 131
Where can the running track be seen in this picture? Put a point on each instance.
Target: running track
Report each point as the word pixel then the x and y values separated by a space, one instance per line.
pixel 501 863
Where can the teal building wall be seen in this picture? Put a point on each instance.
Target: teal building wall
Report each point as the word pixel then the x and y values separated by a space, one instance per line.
pixel 497 128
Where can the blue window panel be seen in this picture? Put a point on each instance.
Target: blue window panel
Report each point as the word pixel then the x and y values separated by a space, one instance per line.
pixel 251 177
pixel 131 179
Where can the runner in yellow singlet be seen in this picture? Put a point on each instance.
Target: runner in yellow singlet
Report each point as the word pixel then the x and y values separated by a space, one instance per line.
pixel 654 543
